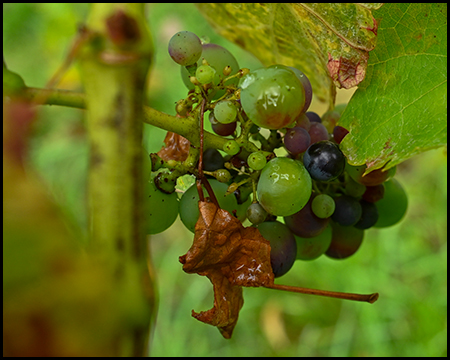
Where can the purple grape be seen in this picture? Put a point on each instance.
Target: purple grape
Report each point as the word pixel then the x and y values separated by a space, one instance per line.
pixel 313 117
pixel 297 140
pixel 283 246
pixel 224 129
pixel 305 223
pixel 347 212
pixel 339 133
pixel 317 132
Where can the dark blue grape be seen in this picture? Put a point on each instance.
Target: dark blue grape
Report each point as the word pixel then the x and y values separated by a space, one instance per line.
pixel 348 210
pixel 324 161
pixel 283 246
pixel 369 215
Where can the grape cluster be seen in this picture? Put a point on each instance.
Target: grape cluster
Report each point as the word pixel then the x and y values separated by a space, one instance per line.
pixel 309 201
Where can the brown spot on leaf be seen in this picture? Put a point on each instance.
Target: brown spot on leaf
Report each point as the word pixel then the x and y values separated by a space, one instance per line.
pixel 345 73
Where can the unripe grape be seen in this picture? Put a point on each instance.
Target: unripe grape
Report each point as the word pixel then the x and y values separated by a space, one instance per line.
pixel 225 112
pixel 231 147
pixel 205 74
pixel 256 160
pixel 185 48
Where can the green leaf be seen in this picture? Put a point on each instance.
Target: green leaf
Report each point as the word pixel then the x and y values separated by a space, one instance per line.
pixel 328 42
pixel 400 109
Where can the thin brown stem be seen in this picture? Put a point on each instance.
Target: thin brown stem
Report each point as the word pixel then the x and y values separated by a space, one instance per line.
pixel 370 298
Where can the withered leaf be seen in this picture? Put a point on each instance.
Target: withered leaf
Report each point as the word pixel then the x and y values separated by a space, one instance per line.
pixel 231 256
pixel 176 147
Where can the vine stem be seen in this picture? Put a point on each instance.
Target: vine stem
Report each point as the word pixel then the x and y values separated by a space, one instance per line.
pixel 370 298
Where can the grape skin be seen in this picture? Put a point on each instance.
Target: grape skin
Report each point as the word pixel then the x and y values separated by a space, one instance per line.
pixel 283 246
pixel 185 48
pixel 284 187
pixel 272 97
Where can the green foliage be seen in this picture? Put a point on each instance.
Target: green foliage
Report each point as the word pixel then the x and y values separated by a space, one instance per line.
pixel 305 36
pixel 400 109
pixel 407 262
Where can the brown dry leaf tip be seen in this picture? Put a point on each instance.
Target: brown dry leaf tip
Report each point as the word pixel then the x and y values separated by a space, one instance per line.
pixel 176 147
pixel 231 256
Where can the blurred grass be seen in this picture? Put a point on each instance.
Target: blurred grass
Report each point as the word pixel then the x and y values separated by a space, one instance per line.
pixel 406 264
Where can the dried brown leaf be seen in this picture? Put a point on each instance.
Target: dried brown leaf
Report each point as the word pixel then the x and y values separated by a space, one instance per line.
pixel 176 147
pixel 231 256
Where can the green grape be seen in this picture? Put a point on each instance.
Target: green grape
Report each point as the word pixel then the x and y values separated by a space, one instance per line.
pixel 205 74
pixel 256 160
pixel 256 214
pixel 222 175
pixel 188 207
pixel 323 206
pixel 218 58
pixel 272 97
pixel 284 187
pixel 225 112
pixel 312 248
pixel 185 48
pixel 160 209
pixel 354 189
pixel 392 207
pixel 231 147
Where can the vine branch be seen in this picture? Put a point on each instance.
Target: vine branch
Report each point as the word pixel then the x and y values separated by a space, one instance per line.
pixel 183 126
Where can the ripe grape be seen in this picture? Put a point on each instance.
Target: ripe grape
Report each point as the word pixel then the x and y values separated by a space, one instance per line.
pixel 313 117
pixel 348 210
pixel 373 193
pixel 256 214
pixel 212 160
pixel 323 206
pixel 205 74
pixel 225 112
pixel 369 215
pixel 256 160
pixel 224 129
pixel 306 85
pixel 305 223
pixel 160 209
pixel 392 207
pixel 339 133
pixel 188 207
pixel 218 58
pixel 272 97
pixel 313 247
pixel 231 147
pixel 297 140
pixel 284 187
pixel 283 247
pixel 324 161
pixel 345 241
pixel 185 48
pixel 373 178
pixel 317 132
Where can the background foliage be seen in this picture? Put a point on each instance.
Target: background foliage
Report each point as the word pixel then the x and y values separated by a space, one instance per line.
pixel 406 264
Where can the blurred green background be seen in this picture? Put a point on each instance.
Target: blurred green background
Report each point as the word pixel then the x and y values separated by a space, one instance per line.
pixel 406 264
